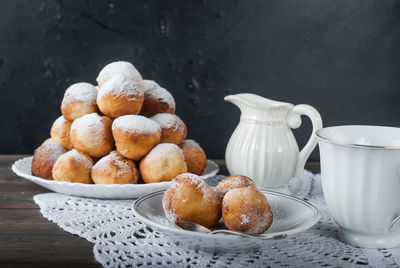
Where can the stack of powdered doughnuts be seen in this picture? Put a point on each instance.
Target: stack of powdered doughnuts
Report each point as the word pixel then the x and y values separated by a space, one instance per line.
pixel 114 133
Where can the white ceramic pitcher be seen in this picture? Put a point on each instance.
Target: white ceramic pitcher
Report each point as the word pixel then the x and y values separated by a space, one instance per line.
pixel 263 147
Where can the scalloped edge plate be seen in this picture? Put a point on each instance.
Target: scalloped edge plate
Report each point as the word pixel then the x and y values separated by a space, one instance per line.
pixel 23 167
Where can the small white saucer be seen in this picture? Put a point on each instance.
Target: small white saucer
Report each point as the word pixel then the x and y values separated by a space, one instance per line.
pixel 291 215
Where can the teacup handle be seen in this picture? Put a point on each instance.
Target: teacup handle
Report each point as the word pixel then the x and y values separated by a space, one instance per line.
pixel 294 121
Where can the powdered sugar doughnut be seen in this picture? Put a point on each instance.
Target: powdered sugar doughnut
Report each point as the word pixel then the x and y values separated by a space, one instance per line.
pixel 173 129
pixel 157 100
pixel 191 199
pixel 60 132
pixel 195 157
pixel 79 99
pixel 246 210
pixel 91 134
pixel 114 168
pixel 135 135
pixel 163 163
pixel 149 84
pixel 119 67
pixel 233 182
pixel 44 158
pixel 73 166
pixel 120 95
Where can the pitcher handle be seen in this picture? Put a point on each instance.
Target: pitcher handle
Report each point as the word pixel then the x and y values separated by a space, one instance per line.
pixel 294 121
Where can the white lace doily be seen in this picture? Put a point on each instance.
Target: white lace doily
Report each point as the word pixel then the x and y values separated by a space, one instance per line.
pixel 120 240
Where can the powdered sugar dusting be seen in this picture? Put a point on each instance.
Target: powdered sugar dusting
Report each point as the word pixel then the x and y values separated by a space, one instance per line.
pixel 163 150
pixel 120 85
pixel 199 184
pixel 79 158
pixel 238 180
pixel 59 123
pixel 149 84
pixel 232 182
pixel 191 143
pixel 169 214
pixel 196 181
pixel 167 121
pixel 118 67
pixel 136 124
pixel 83 92
pixel 114 158
pixel 251 215
pixel 93 122
pixel 162 95
pixel 51 150
pixel 263 220
pixel 244 219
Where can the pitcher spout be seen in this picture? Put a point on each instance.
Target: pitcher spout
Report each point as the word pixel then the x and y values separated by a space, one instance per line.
pixel 235 99
pixel 255 101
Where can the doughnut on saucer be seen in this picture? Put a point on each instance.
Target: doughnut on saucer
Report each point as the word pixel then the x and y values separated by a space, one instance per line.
pixel 79 99
pixel 119 96
pixel 191 199
pixel 157 100
pixel 233 182
pixel 246 210
pixel 163 163
pixel 91 134
pixel 114 168
pixel 195 157
pixel 60 132
pixel 73 166
pixel 135 135
pixel 173 129
pixel 119 68
pixel 44 158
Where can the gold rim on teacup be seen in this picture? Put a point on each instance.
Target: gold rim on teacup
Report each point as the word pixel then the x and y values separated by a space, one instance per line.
pixel 355 144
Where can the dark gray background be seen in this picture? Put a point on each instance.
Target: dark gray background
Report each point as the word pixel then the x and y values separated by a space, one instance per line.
pixel 341 56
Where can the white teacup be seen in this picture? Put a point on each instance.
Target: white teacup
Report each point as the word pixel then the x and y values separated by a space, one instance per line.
pixel 360 169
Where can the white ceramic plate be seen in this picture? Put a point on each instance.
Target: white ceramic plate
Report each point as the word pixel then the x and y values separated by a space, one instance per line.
pixel 23 167
pixel 291 215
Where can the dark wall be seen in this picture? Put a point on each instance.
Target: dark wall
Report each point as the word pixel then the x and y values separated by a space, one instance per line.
pixel 342 57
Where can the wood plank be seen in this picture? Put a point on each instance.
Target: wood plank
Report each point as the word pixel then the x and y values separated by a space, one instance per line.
pixel 46 251
pixel 11 158
pixel 27 222
pixel 6 174
pixel 19 195
pixel 49 265
pixel 16 192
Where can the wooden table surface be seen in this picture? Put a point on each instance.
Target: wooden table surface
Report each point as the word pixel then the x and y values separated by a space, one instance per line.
pixel 27 239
